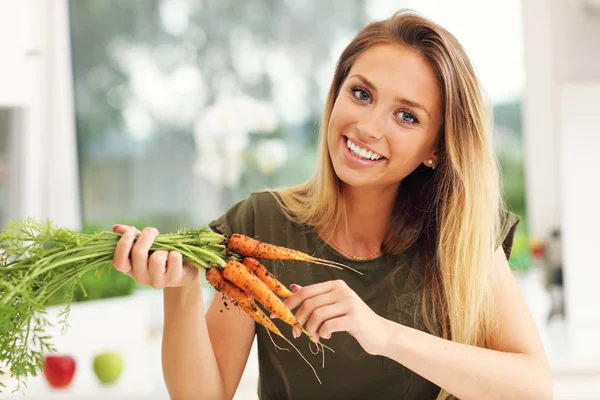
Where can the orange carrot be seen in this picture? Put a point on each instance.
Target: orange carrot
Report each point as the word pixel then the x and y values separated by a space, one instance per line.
pixel 264 275
pixel 238 274
pixel 221 283
pixel 249 247
pixel 245 302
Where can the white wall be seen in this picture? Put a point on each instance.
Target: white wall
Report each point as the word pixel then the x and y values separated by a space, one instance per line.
pixel 562 137
pixel 35 79
pixel 539 119
pixel 19 41
pixel 63 205
pixel 580 198
pixel 576 28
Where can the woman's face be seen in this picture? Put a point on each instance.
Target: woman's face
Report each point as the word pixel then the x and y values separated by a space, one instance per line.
pixel 386 117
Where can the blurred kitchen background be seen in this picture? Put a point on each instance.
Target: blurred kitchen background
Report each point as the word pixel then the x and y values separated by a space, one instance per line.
pixel 166 112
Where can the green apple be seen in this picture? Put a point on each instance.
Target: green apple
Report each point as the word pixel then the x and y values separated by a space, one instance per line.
pixel 108 367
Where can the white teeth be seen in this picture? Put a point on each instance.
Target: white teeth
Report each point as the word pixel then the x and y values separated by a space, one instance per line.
pixel 360 152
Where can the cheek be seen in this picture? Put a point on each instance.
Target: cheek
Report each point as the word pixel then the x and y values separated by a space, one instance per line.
pixel 336 125
pixel 406 149
pixel 342 115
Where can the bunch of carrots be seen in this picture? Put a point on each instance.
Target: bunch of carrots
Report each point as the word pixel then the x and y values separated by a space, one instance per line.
pixel 250 280
pixel 37 260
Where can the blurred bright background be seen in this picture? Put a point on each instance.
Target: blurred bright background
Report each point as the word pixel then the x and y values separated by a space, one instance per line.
pixel 166 112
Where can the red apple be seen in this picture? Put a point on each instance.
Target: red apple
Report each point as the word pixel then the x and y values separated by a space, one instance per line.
pixel 59 370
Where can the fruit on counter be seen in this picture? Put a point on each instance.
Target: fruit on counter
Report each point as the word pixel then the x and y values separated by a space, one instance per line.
pixel 108 367
pixel 59 370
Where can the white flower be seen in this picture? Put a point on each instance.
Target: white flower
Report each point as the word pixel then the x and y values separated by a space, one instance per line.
pixel 271 154
pixel 222 136
pixel 220 158
pixel 236 114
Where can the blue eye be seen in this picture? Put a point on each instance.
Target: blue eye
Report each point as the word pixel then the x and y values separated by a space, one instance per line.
pixel 407 117
pixel 361 94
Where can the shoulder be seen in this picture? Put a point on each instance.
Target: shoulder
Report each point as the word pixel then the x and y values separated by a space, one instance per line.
pixel 244 215
pixel 508 223
pixel 264 200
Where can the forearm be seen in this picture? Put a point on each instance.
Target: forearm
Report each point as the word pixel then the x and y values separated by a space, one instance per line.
pixel 468 372
pixel 190 368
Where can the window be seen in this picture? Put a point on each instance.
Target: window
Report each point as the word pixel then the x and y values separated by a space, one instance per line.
pixel 8 167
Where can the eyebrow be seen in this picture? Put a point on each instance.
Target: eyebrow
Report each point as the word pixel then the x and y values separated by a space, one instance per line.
pixel 409 103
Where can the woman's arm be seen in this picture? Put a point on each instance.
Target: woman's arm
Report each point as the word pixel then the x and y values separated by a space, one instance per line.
pixel 515 367
pixel 203 357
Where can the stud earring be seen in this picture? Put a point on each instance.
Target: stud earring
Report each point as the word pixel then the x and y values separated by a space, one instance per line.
pixel 431 164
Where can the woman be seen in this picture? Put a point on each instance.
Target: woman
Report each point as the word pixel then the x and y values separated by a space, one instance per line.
pixel 406 191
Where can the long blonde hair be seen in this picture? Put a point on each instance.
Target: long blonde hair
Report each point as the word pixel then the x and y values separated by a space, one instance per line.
pixel 450 213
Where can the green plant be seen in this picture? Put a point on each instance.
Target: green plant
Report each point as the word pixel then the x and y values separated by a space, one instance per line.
pixel 103 283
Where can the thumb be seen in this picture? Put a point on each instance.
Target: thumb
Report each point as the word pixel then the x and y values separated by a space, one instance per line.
pixel 295 287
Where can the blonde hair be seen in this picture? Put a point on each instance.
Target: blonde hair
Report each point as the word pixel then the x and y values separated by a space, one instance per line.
pixel 451 212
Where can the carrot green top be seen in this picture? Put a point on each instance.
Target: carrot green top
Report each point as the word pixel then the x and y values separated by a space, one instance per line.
pixel 350 373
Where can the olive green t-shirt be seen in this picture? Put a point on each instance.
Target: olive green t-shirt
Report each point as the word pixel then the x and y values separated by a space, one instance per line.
pixel 350 372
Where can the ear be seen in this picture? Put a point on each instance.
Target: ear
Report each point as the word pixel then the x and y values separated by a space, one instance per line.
pixel 431 161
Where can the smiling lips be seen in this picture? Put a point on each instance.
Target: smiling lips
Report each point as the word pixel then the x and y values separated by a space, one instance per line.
pixel 361 153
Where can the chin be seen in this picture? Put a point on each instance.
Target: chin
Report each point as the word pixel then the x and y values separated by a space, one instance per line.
pixel 352 178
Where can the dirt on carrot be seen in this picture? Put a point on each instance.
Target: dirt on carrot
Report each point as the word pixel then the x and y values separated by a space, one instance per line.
pixel 239 274
pixel 215 277
pixel 264 275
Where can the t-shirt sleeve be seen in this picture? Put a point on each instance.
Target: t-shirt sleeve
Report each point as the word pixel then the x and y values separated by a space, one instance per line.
pixel 238 219
pixel 506 232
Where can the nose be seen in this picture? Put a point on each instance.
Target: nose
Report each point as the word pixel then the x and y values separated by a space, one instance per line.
pixel 371 125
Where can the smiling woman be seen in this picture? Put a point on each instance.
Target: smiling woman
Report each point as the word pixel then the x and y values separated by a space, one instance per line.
pixel 406 192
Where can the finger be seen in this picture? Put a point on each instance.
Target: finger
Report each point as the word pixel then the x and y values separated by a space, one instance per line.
pixel 312 304
pixel 118 228
pixel 157 265
pixel 174 274
pixel 139 254
pixel 307 292
pixel 122 249
pixel 322 315
pixel 333 325
pixel 295 287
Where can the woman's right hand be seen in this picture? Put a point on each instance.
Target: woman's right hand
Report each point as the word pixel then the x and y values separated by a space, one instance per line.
pixel 161 269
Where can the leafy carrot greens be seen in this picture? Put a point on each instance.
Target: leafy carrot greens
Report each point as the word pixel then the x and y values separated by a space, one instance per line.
pixel 37 260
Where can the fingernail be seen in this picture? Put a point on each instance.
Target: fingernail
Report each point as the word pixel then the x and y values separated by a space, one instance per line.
pixel 296 333
pixel 114 226
pixel 295 287
pixel 130 232
pixel 273 316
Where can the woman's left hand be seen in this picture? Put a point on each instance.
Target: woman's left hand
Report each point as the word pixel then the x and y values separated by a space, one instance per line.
pixel 332 306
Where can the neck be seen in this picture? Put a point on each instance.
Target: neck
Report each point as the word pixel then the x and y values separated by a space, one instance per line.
pixel 368 213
